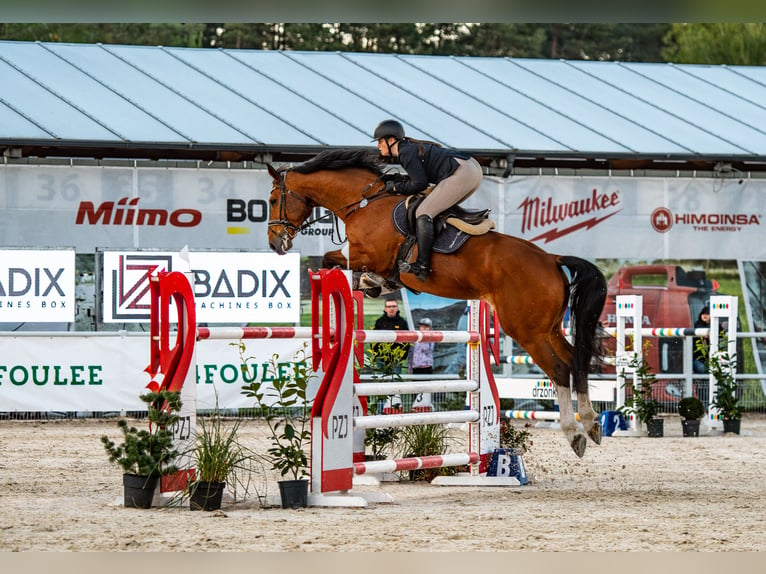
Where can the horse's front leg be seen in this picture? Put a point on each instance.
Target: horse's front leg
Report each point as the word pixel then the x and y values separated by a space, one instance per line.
pixel 334 258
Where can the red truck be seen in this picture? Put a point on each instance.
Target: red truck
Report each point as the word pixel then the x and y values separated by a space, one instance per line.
pixel 672 297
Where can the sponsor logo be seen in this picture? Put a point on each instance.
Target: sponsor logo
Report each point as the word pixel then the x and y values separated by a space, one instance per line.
pixel 538 213
pixel 544 390
pixel 130 284
pixel 663 219
pixel 126 212
pixel 257 211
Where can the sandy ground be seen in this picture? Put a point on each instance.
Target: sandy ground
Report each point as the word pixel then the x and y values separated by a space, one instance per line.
pixel 59 493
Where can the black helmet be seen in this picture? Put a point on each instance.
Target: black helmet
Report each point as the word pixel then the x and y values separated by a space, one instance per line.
pixel 388 128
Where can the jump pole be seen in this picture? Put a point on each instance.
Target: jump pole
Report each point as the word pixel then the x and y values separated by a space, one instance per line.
pixel 722 308
pixel 337 415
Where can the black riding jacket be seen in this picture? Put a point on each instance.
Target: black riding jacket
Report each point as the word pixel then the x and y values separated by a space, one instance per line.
pixel 435 164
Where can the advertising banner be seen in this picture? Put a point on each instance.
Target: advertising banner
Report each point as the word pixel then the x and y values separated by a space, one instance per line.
pixel 228 287
pixel 106 373
pixel 631 217
pixel 139 207
pixel 37 286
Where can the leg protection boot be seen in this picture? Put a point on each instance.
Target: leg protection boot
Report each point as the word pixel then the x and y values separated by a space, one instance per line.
pixel 424 229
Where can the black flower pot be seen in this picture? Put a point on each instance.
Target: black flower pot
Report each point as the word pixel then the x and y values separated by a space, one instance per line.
pixel 207 495
pixel 139 490
pixel 655 427
pixel 731 425
pixel 294 493
pixel 690 427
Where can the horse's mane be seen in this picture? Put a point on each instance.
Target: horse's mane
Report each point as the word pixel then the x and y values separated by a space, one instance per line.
pixel 340 159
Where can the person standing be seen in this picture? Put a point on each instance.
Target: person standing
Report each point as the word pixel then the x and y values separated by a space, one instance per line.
pixel 389 357
pixel 699 365
pixel 421 358
pixel 421 362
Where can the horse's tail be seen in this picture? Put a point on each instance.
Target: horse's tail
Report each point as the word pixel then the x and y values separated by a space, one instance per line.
pixel 587 296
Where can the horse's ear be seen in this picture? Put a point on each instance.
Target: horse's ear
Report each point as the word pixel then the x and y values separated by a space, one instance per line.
pixel 272 171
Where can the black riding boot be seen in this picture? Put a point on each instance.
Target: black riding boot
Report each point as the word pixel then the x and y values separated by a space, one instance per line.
pixel 424 229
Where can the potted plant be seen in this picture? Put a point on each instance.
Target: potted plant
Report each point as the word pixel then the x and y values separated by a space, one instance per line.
pixel 284 403
pixel 691 410
pixel 640 402
pixel 725 399
pixel 146 454
pixel 218 456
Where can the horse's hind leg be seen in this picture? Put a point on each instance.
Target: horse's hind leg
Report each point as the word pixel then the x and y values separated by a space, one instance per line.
pixel 554 360
pixel 588 417
pixel 584 407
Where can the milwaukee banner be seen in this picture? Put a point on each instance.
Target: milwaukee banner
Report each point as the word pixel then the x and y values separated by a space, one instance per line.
pixel 36 286
pixel 631 217
pixel 132 207
pixel 228 287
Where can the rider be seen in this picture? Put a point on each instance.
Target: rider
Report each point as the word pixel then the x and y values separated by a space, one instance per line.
pixel 456 176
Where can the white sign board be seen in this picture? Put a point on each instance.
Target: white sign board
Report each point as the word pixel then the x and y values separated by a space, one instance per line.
pixel 37 286
pixel 228 287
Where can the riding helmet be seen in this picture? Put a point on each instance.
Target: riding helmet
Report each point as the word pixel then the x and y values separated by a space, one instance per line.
pixel 388 128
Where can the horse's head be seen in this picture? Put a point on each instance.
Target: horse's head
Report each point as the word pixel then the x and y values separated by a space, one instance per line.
pixel 287 212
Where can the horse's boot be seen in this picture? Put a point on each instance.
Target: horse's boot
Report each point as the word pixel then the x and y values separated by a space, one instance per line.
pixel 424 229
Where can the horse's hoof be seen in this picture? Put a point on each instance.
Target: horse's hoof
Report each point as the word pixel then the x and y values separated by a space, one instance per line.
pixel 372 292
pixel 578 445
pixel 595 433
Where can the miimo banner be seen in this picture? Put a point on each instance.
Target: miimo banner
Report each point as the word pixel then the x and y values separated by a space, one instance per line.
pixel 228 287
pixel 37 286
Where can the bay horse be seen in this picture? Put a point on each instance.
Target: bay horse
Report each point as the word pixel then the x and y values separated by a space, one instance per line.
pixel 528 287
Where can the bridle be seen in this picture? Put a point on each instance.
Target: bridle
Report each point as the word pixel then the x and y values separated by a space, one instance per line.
pixel 289 230
pixel 283 221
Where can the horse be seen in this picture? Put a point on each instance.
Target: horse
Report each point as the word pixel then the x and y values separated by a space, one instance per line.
pixel 528 287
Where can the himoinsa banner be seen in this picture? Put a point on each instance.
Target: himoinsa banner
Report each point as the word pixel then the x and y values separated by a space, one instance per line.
pixel 228 287
pixel 37 286
pixel 132 207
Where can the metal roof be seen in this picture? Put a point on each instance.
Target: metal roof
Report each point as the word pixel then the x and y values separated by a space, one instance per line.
pixel 100 100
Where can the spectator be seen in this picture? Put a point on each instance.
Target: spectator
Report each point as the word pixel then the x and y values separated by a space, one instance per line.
pixel 385 353
pixel 699 364
pixel 421 358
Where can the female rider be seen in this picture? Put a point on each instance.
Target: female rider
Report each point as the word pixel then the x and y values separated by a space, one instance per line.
pixel 456 176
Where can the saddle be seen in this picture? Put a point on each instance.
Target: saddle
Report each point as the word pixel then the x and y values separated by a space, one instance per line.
pixel 452 228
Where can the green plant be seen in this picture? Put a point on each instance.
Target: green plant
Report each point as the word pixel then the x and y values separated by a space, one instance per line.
pixel 148 452
pixel 217 452
pixel 425 440
pixel 510 437
pixel 640 401
pixel 384 360
pixel 691 408
pixel 287 411
pixel 725 398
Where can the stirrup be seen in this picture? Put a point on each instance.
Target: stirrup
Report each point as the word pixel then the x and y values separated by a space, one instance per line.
pixel 420 271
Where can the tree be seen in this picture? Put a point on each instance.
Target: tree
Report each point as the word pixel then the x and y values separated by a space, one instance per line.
pixel 733 43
